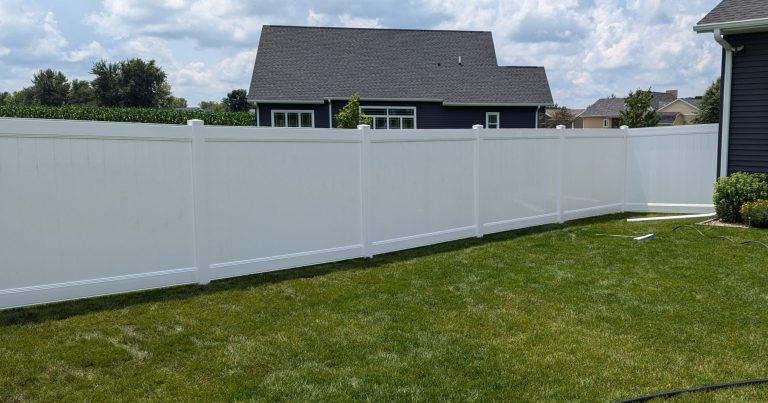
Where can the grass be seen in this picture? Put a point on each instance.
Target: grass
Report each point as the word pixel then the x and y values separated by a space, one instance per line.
pixel 554 313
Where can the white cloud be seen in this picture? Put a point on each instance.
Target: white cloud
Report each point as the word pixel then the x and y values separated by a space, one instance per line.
pixel 349 21
pixel 91 52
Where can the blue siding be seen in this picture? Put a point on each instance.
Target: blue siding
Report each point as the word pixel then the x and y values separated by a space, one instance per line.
pixel 433 115
pixel 429 115
pixel 748 143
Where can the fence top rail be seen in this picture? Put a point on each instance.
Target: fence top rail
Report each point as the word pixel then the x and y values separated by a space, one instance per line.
pixel 78 129
pixel 267 135
pixel 673 130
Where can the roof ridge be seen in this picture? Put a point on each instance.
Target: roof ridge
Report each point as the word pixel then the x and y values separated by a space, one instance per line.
pixel 376 29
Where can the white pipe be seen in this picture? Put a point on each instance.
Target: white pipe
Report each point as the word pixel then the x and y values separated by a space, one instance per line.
pixel 537 116
pixel 727 89
pixel 671 217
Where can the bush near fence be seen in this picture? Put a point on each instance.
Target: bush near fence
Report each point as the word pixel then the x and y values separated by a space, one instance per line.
pixel 137 115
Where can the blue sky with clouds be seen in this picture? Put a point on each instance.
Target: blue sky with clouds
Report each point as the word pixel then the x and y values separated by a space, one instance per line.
pixel 591 48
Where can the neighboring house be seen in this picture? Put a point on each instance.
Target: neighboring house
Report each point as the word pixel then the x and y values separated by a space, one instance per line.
pixel 741 28
pixel 578 122
pixel 407 79
pixel 672 111
pixel 684 110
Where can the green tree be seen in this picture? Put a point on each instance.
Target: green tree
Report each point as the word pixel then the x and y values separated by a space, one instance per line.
pixel 106 84
pixel 80 93
pixel 174 102
pixel 130 83
pixel 236 101
pixel 211 106
pixel 142 84
pixel 24 96
pixel 638 111
pixel 6 98
pixel 561 116
pixel 709 108
pixel 350 116
pixel 50 88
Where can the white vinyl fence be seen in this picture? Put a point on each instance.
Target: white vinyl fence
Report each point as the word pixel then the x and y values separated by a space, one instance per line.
pixel 90 208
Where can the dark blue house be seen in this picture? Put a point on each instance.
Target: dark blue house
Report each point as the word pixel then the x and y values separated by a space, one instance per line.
pixel 406 79
pixel 741 28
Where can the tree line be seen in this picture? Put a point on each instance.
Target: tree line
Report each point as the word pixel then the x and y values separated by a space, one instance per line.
pixel 131 83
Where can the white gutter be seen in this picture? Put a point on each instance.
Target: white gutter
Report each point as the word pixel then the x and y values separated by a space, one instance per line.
pixel 727 87
pixel 732 27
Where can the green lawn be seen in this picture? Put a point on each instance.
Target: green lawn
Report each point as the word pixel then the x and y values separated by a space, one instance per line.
pixel 552 313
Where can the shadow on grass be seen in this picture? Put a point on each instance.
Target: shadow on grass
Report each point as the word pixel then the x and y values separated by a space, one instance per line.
pixel 67 309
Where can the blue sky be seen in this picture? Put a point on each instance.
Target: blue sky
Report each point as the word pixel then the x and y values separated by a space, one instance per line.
pixel 591 48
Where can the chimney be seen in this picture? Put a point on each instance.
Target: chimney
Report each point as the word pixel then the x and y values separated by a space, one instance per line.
pixel 672 92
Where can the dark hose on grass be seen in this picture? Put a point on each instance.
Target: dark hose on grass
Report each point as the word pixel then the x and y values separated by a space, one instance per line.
pixel 719 236
pixel 706 388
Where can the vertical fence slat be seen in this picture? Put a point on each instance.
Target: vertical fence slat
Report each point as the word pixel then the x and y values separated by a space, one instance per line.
pixel 197 128
pixel 477 145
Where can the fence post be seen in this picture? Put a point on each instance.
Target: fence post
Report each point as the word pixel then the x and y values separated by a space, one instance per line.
pixel 625 132
pixel 365 148
pixel 202 264
pixel 478 221
pixel 560 168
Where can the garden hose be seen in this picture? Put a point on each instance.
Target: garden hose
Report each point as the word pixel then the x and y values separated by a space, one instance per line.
pixel 706 388
pixel 719 236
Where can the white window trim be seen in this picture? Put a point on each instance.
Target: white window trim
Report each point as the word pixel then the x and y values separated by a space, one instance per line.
pixel 606 123
pixel 415 119
pixel 498 119
pixel 286 118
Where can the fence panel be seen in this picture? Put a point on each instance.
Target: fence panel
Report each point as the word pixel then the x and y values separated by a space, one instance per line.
pixel 421 188
pixel 276 199
pixel 671 169
pixel 593 172
pixel 518 181
pixel 93 208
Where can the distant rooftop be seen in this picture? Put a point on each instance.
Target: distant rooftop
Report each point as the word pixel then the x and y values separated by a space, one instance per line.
pixel 611 107
pixel 316 63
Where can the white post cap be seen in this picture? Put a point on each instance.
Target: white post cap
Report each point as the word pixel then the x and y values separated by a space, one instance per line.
pixel 476 127
pixel 195 122
pixel 625 127
pixel 560 127
pixel 361 127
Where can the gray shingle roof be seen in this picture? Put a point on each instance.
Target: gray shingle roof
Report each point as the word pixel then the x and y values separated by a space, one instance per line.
pixel 315 63
pixel 736 10
pixel 610 107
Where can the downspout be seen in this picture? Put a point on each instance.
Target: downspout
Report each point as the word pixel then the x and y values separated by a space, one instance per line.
pixel 727 85
pixel 536 124
pixel 258 123
pixel 330 115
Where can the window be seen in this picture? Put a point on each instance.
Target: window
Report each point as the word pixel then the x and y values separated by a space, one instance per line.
pixel 606 123
pixel 492 120
pixel 385 117
pixel 303 119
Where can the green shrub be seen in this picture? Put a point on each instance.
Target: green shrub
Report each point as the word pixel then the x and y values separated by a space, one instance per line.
pixel 755 213
pixel 138 115
pixel 733 191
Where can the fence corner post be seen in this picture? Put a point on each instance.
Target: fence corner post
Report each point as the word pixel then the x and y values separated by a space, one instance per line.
pixel 478 219
pixel 560 168
pixel 625 132
pixel 365 146
pixel 198 170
